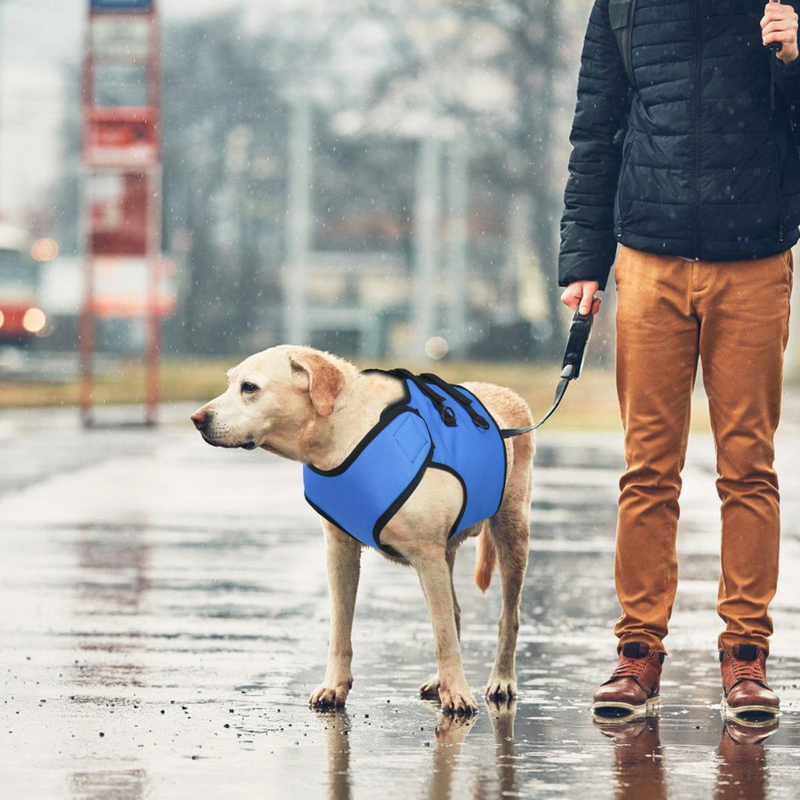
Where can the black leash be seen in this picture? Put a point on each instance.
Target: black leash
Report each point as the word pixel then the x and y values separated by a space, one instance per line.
pixel 579 331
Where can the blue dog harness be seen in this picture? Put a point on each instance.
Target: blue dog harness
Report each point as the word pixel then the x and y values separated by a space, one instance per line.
pixel 451 431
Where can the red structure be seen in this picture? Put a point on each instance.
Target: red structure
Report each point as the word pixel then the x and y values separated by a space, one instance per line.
pixel 124 274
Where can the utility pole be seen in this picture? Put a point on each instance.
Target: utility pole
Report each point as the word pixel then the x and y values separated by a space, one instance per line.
pixel 457 239
pixel 427 225
pixel 299 217
pixel 427 208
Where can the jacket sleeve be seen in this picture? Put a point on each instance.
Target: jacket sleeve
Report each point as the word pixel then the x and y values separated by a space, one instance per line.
pixel 588 245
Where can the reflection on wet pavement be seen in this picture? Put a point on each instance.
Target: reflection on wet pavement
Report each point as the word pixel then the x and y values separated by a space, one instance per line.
pixel 742 769
pixel 167 618
pixel 638 761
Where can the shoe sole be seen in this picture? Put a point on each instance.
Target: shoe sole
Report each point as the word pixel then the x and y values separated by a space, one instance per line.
pixel 623 712
pixel 751 714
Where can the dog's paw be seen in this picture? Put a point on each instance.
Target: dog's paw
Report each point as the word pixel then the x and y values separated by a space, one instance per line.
pixel 501 688
pixel 457 699
pixel 430 689
pixel 330 696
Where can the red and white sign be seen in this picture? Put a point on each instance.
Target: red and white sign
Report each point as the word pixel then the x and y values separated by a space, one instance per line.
pixel 121 137
pixel 122 287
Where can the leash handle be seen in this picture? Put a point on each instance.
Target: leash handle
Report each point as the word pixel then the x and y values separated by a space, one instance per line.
pixel 580 329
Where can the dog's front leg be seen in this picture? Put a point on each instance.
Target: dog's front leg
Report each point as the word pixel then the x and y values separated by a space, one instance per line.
pixel 344 565
pixel 434 576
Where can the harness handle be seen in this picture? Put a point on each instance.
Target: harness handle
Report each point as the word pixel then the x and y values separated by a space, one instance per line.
pixel 447 413
pixel 465 401
pixel 449 418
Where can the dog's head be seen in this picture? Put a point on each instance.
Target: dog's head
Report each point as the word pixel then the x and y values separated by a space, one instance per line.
pixel 274 400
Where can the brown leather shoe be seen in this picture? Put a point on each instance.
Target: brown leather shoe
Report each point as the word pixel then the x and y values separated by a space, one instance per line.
pixel 747 694
pixel 632 689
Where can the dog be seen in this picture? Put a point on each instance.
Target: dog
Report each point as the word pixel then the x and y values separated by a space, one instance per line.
pixel 313 407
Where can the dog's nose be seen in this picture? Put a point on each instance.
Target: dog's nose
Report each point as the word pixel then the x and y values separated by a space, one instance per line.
pixel 200 419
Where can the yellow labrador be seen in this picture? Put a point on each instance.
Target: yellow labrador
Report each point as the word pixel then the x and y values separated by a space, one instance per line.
pixel 314 407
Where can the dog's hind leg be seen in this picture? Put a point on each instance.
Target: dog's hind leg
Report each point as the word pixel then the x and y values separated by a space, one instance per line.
pixel 344 566
pixel 430 689
pixel 510 530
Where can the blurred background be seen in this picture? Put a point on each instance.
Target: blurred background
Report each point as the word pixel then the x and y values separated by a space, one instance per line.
pixel 378 178
pixel 186 182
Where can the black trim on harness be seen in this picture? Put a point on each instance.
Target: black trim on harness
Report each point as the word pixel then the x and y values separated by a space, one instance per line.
pixel 389 513
pixel 394 410
pixel 505 451
pixel 384 518
pixel 445 468
pixel 391 411
pixel 447 413
pixel 385 548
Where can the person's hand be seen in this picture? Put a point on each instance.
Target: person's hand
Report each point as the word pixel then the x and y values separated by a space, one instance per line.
pixel 779 24
pixel 582 293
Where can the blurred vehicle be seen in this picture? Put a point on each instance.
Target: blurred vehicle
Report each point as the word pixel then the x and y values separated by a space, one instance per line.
pixel 21 318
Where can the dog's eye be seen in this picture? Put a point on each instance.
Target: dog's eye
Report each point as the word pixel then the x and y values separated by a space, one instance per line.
pixel 248 388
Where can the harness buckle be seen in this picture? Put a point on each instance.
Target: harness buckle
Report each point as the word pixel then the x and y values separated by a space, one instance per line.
pixel 449 416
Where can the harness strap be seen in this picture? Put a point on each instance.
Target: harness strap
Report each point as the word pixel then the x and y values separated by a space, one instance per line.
pixel 447 413
pixel 435 397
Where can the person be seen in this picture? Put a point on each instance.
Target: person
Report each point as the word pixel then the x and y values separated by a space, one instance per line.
pixel 701 203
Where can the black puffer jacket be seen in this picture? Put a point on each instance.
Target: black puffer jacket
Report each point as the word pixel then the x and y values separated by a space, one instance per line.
pixel 706 169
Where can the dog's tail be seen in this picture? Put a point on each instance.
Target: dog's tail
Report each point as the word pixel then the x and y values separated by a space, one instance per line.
pixel 485 558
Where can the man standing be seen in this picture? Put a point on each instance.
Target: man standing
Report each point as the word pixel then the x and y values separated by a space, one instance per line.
pixel 703 197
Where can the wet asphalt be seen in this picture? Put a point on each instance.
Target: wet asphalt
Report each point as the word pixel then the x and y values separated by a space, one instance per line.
pixel 165 618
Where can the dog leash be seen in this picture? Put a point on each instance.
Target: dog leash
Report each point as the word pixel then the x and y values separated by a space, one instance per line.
pixel 579 331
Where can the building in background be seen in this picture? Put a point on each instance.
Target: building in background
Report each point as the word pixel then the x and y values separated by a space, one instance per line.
pixel 393 252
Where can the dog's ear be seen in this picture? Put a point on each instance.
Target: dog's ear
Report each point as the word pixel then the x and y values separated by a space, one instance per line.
pixel 321 378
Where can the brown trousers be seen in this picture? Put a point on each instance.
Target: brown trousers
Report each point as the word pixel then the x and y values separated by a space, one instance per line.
pixel 735 317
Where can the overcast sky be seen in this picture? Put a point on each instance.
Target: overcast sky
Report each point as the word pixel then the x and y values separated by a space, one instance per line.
pixel 38 38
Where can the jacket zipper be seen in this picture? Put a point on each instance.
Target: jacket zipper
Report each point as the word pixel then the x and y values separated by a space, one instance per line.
pixel 626 151
pixel 696 127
